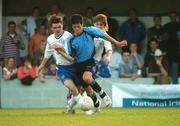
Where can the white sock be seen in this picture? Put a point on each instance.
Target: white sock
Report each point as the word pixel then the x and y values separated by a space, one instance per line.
pixel 76 98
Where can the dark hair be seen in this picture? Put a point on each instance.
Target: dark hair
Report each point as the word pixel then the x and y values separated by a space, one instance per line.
pixel 132 9
pixel 153 39
pixel 76 19
pixel 157 16
pixel 42 24
pixel 173 12
pixel 35 8
pixel 55 20
pixel 90 8
pixel 11 23
pixel 27 58
pixel 125 50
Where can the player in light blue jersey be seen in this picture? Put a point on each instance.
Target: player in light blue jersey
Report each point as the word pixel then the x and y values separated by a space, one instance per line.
pixel 83 50
pixel 66 70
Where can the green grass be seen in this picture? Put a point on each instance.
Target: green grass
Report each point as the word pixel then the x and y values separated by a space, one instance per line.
pixel 107 117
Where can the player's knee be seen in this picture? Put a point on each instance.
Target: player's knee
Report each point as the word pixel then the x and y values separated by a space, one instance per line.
pixel 87 77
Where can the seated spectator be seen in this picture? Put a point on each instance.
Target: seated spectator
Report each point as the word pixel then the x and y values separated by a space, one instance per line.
pixel 26 73
pixel 152 46
pixel 158 68
pixel 116 60
pixel 135 58
pixel 10 70
pixel 126 68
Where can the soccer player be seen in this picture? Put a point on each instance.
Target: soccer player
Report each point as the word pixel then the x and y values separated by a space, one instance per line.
pixel 82 47
pixel 66 70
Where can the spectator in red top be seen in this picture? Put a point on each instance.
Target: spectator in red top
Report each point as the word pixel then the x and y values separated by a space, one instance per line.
pixel 26 73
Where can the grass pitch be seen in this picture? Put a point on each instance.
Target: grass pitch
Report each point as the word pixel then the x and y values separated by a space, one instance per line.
pixel 107 117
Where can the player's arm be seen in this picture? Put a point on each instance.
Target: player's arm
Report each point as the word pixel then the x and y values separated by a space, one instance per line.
pixel 62 51
pixel 114 41
pixel 94 31
pixel 108 56
pixel 65 55
pixel 108 49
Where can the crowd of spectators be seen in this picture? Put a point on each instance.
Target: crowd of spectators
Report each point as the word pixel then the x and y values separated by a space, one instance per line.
pixel 160 61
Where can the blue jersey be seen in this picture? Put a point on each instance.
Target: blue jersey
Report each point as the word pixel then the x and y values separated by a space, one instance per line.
pixel 83 44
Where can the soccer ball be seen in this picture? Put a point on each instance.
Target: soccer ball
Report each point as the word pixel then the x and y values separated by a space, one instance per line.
pixel 86 103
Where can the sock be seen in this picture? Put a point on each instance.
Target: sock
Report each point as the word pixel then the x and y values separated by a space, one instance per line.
pixel 95 101
pixel 96 87
pixel 76 98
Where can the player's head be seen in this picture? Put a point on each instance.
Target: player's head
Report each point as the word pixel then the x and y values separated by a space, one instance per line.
pixel 101 22
pixel 56 24
pixel 76 23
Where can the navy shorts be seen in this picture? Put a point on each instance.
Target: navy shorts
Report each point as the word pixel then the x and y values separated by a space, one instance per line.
pixel 67 72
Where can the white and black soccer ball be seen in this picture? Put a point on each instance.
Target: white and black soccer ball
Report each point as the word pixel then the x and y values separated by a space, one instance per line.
pixel 86 103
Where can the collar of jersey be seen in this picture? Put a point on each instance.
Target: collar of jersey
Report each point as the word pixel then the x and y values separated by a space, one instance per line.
pixel 59 36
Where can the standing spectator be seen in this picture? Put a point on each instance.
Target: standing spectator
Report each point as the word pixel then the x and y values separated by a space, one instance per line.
pixel 38 53
pixel 26 73
pixel 152 46
pixel 158 68
pixel 158 32
pixel 135 58
pixel 10 43
pixel 112 23
pixel 10 70
pixel 29 25
pixel 116 60
pixel 34 44
pixel 126 68
pixel 56 11
pixel 172 45
pixel 88 18
pixel 133 30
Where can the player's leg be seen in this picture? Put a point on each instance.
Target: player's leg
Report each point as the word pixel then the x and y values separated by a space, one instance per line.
pixel 76 95
pixel 88 78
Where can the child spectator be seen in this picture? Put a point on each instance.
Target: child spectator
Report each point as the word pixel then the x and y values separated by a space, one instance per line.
pixel 26 73
pixel 52 72
pixel 10 70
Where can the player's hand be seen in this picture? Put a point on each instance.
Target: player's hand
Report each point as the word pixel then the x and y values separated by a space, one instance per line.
pixel 55 46
pixel 122 43
pixel 39 69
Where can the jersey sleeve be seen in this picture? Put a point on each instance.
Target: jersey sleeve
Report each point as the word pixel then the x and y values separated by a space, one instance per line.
pixel 107 45
pixel 94 31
